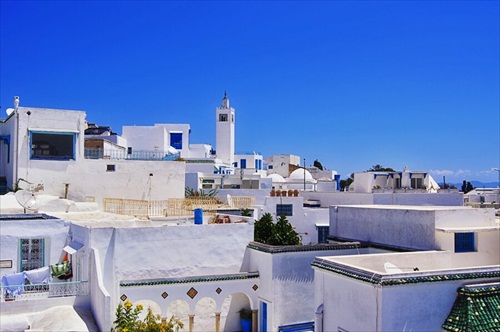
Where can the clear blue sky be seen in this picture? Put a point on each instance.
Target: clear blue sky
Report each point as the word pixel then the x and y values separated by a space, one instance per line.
pixel 352 84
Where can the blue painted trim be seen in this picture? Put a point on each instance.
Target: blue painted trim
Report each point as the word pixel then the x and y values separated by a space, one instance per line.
pixel 306 326
pixel 6 139
pixel 52 133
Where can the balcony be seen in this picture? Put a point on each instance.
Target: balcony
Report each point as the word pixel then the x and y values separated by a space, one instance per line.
pixel 95 153
pixel 43 291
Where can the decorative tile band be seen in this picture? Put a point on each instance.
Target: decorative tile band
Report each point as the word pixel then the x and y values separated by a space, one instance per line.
pixel 185 280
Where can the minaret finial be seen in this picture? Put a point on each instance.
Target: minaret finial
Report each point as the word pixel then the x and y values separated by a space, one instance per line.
pixel 225 101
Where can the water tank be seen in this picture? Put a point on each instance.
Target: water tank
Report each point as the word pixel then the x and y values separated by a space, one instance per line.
pixel 198 216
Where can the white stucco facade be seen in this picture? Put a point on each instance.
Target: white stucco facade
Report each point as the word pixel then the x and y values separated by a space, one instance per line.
pixel 280 164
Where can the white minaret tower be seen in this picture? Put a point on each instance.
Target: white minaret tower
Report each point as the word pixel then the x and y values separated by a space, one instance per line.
pixel 224 131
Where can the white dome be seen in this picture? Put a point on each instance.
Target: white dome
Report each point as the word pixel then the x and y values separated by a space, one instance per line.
pixel 298 174
pixel 276 177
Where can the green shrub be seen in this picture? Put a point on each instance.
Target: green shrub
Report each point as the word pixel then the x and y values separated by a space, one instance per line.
pixel 127 320
pixel 279 234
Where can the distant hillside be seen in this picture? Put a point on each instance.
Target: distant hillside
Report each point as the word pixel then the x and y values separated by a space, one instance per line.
pixel 476 184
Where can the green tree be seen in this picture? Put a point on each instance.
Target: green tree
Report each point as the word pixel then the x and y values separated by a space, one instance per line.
pixel 347 182
pixel 284 234
pixel 467 186
pixel 380 168
pixel 318 165
pixel 279 234
pixel 263 229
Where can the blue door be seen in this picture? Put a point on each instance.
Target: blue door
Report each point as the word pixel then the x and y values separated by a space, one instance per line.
pixel 263 317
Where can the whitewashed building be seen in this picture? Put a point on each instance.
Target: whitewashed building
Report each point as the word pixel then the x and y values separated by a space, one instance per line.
pixel 282 164
pixel 367 182
pixel 44 148
pixel 459 249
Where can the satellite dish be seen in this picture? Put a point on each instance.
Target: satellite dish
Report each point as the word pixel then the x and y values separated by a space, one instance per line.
pixel 27 200
pixel 9 111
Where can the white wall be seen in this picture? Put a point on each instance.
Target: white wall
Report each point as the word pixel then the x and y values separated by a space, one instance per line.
pixel 348 198
pixel 409 198
pixel 176 251
pixel 47 119
pixel 347 303
pixel 287 284
pixel 145 137
pixel 401 227
pixel 487 248
pixel 199 150
pixel 130 180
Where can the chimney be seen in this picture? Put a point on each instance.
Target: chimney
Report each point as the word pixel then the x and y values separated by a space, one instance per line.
pixel 16 102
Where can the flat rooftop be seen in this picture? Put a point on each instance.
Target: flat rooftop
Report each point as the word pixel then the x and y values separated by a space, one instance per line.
pixel 407 207
pixel 399 268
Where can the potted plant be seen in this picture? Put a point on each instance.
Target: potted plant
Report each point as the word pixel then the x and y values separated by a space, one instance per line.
pixel 246 319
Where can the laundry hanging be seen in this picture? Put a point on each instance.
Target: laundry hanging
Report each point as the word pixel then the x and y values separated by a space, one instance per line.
pixel 62 269
pixel 15 283
pixel 38 276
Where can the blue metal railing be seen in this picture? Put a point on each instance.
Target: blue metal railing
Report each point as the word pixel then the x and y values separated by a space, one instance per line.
pixel 95 153
pixel 51 289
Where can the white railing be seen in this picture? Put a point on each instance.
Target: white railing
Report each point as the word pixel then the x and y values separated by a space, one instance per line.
pixel 173 207
pixel 33 291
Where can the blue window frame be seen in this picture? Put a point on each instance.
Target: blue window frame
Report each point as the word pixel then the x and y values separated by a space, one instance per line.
pixel 31 254
pixel 464 242
pixel 52 145
pixel 284 209
pixel 243 163
pixel 176 140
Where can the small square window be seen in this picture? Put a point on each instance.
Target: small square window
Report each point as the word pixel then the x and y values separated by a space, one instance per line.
pixel 284 209
pixel 223 117
pixel 323 232
pixel 110 168
pixel 464 242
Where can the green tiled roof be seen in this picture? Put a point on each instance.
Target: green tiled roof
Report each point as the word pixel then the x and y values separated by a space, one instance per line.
pixel 475 309
pixel 298 248
pixel 184 280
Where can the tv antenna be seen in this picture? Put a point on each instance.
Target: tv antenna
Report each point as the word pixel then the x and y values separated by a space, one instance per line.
pixel 27 200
